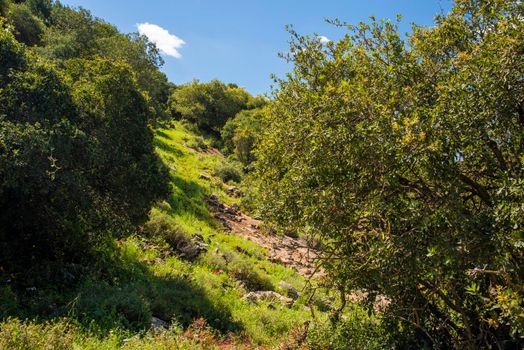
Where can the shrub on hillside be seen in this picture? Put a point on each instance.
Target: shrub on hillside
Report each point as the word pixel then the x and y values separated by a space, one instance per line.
pixel 229 171
pixel 404 155
pixel 77 160
pixel 240 134
pixel 245 271
pixel 28 28
pixel 163 227
pixel 3 7
pixel 208 105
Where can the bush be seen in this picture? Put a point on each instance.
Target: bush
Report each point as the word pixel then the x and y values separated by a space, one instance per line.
pixel 78 163
pixel 229 171
pixel 240 134
pixel 3 7
pixel 417 191
pixel 29 28
pixel 164 227
pixel 208 105
pixel 245 271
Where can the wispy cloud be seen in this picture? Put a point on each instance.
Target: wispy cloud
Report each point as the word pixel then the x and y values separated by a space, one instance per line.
pixel 324 40
pixel 167 43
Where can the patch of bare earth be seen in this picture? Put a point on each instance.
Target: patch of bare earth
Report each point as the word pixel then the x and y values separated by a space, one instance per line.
pixel 213 150
pixel 289 251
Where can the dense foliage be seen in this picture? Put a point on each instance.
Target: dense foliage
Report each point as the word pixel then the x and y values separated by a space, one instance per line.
pixel 240 134
pixel 208 105
pixel 77 163
pixel 406 157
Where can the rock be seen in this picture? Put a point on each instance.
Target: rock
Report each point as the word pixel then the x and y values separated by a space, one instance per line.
pixel 157 324
pixel 290 290
pixel 243 251
pixel 291 234
pixel 204 177
pixel 234 192
pixel 232 209
pixel 255 297
pixel 213 196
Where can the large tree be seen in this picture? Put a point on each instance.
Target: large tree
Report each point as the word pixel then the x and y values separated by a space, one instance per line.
pixel 77 163
pixel 208 105
pixel 405 156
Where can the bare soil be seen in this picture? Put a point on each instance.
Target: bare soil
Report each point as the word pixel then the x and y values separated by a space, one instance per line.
pixel 289 251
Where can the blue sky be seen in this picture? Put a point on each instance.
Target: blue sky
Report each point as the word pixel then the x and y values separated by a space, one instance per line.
pixel 238 40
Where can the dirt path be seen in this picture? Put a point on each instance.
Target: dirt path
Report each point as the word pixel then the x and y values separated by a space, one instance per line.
pixel 289 251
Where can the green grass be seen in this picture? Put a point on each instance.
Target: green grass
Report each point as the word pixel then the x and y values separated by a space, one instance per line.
pixel 263 324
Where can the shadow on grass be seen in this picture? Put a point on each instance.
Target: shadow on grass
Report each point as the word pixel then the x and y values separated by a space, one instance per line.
pixel 164 146
pixel 121 292
pixel 162 133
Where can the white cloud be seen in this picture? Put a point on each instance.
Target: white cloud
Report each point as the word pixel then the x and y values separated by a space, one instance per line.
pixel 167 43
pixel 324 40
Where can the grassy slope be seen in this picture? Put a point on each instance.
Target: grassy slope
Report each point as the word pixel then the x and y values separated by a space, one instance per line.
pixel 187 205
pixel 140 279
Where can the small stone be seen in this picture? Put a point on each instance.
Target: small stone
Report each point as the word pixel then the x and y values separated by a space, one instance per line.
pixel 158 325
pixel 290 290
pixel 255 297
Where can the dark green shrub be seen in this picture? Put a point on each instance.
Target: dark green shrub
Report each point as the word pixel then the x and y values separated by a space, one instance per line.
pixel 229 171
pixel 77 160
pixel 28 28
pixel 3 7
pixel 245 271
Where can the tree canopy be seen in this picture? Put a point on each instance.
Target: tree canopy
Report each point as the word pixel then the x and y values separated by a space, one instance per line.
pixel 77 163
pixel 208 105
pixel 404 155
pixel 241 133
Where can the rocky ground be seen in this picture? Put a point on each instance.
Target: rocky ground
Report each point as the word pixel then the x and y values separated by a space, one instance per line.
pixel 289 251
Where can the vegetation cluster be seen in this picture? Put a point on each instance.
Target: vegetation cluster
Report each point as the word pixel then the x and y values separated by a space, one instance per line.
pixel 399 157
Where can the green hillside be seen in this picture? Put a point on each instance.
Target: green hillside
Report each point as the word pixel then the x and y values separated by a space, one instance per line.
pixel 374 200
